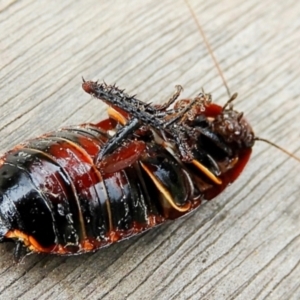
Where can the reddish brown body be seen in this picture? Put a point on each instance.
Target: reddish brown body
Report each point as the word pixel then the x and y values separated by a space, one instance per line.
pixel 59 195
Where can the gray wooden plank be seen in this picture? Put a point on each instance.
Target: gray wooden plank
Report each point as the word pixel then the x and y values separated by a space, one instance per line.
pixel 243 244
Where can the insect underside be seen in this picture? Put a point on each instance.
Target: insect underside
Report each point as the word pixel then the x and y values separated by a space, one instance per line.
pixel 81 188
pixel 88 186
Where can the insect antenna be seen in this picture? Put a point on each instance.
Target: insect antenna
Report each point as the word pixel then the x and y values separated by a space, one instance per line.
pixel 233 97
pixel 278 147
pixel 208 47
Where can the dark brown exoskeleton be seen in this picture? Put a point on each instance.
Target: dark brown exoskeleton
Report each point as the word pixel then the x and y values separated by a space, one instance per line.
pixel 81 188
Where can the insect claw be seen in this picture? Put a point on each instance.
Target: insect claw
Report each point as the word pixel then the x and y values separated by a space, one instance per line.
pixel 179 88
pixel 240 115
pixel 19 252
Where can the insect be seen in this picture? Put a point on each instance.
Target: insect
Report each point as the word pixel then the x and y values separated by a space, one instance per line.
pixel 81 188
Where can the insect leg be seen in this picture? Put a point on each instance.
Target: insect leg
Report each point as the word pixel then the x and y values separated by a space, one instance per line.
pixel 124 156
pixel 174 97
pixel 212 136
pixel 185 150
pixel 112 95
pixel 180 114
pixel 118 138
pixel 19 251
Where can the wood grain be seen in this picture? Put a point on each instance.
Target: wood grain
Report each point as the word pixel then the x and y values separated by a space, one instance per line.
pixel 242 245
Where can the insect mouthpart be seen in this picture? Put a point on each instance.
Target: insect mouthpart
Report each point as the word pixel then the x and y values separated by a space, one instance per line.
pixel 233 128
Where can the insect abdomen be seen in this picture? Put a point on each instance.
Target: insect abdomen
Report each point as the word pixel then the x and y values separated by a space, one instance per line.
pixel 57 201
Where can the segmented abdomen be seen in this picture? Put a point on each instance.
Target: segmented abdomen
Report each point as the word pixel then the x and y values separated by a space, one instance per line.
pixel 58 201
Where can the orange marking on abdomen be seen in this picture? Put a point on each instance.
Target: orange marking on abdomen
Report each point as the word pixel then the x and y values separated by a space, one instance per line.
pixel 88 244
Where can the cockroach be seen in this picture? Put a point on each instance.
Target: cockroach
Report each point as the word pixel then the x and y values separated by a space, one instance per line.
pixel 81 188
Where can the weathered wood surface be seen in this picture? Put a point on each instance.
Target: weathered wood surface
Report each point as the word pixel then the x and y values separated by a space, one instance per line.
pixel 244 244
